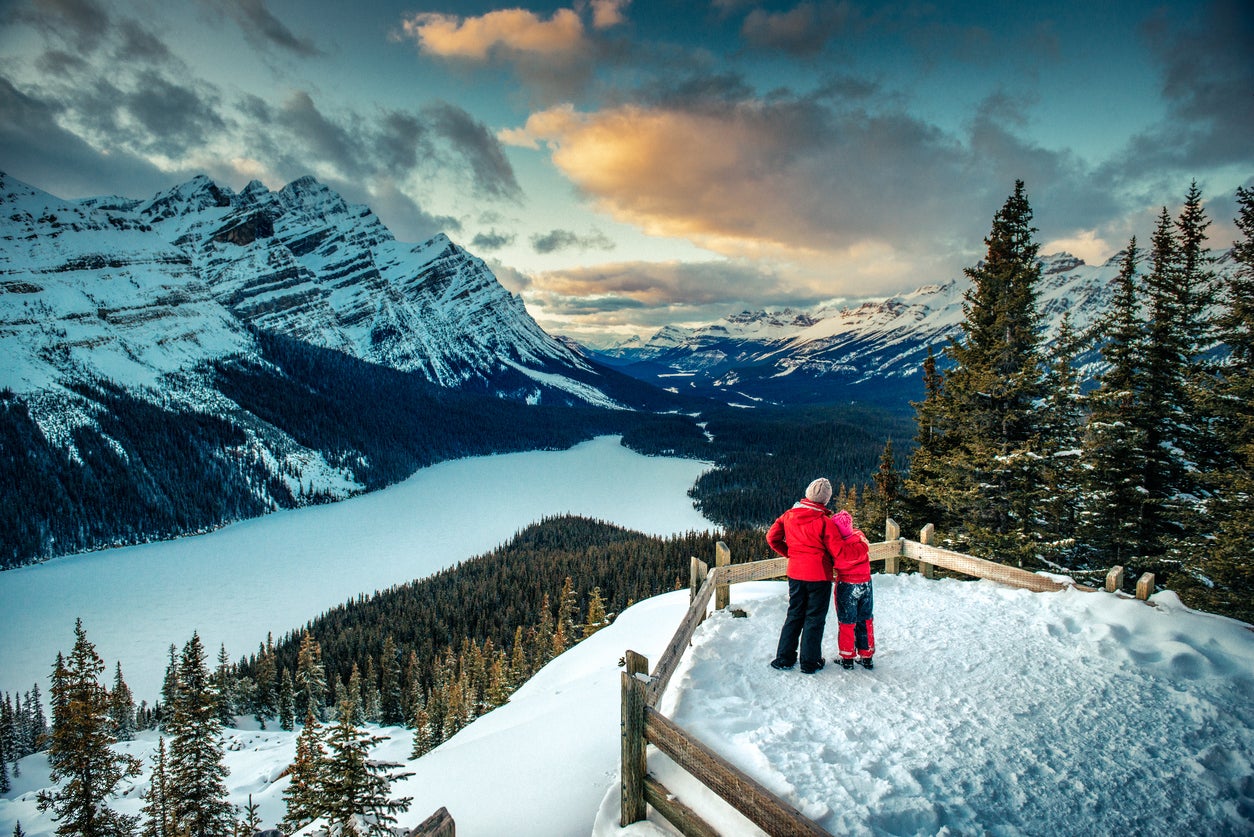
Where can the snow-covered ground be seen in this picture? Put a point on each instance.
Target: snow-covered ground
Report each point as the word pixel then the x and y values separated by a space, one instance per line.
pixel 990 711
pixel 275 573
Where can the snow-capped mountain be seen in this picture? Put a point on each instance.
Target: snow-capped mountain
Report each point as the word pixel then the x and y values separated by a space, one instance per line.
pixel 133 290
pixel 171 364
pixel 870 352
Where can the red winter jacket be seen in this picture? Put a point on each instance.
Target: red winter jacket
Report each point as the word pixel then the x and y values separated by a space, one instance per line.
pixel 853 560
pixel 807 537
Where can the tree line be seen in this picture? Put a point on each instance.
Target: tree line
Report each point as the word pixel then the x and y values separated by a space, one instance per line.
pixel 1150 468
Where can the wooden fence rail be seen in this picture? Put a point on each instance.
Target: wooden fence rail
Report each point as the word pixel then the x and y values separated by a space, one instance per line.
pixel 642 724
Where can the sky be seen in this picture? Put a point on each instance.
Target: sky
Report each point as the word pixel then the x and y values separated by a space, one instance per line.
pixel 989 711
pixel 625 164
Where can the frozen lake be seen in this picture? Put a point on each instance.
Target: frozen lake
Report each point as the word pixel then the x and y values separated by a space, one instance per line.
pixel 275 573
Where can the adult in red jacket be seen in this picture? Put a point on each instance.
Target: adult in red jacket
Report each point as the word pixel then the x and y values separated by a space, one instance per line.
pixel 807 536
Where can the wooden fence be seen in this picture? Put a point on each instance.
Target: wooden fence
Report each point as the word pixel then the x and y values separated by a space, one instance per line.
pixel 642 724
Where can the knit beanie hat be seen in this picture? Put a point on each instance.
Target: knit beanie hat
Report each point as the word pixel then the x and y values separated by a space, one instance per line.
pixel 844 523
pixel 819 491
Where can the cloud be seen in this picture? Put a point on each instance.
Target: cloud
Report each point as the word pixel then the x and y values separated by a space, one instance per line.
pixel 493 240
pixel 608 13
pixel 804 29
pixel 504 32
pixel 263 29
pixel 82 23
pixel 491 172
pixel 566 240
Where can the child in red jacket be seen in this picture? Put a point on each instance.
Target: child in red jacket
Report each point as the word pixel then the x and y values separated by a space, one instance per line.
pixel 852 570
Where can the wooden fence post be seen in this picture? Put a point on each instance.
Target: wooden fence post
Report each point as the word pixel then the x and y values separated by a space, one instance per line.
pixel 1145 586
pixel 892 532
pixel 926 536
pixel 722 591
pixel 634 766
pixel 1114 580
pixel 693 582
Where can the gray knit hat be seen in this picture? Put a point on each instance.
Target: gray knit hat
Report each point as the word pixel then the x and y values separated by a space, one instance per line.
pixel 819 491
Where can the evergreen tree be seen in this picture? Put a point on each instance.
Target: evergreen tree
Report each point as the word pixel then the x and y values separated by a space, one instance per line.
pixel 1061 440
pixel 1113 509
pixel 929 469
pixel 158 808
pixel 1224 574
pixel 985 473
pixel 355 790
pixel 251 823
pixel 5 784
pixel 303 795
pixel 224 680
pixel 38 723
pixel 85 770
pixel 542 641
pixel 391 697
pixel 265 673
pixel 169 685
pixel 423 741
pixel 17 829
pixel 1166 353
pixel 311 677
pixel 122 708
pixel 197 770
pixel 596 617
pixel 519 669
pixel 287 702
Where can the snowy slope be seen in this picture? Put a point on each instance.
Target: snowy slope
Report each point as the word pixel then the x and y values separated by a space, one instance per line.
pixel 990 711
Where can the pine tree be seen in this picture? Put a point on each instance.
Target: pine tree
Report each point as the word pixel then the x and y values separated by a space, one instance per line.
pixel 311 677
pixel 158 808
pixel 5 784
pixel 519 668
pixel 990 483
pixel 1061 439
pixel 265 702
pixel 169 685
pixel 224 680
pixel 122 708
pixel 197 769
pixel 251 823
pixel 596 617
pixel 287 702
pixel 17 829
pixel 1224 575
pixel 1113 507
pixel 542 644
pixel 929 470
pixel 423 740
pixel 85 770
pixel 1166 360
pixel 303 794
pixel 355 790
pixel 391 698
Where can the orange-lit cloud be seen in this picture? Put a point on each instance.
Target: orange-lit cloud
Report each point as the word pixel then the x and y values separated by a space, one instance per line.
pixel 510 30
pixel 607 13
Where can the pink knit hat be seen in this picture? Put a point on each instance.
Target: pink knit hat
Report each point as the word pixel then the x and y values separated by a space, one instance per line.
pixel 819 491
pixel 844 523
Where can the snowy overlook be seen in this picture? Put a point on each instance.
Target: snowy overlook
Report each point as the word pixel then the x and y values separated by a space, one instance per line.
pixel 990 710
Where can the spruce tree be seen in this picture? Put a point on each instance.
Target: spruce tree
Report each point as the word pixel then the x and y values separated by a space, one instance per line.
pixel 158 808
pixel 5 785
pixel 122 708
pixel 224 680
pixel 197 768
pixel 929 471
pixel 84 768
pixel 355 789
pixel 303 794
pixel 1114 458
pixel 265 700
pixel 169 685
pixel 1056 522
pixel 1222 573
pixel 596 617
pixel 287 702
pixel 311 678
pixel 391 697
pixel 989 486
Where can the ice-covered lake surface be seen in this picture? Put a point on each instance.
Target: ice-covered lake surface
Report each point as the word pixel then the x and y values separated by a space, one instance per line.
pixel 275 573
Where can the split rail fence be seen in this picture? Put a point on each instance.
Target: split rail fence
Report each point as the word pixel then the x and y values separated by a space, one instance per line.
pixel 642 724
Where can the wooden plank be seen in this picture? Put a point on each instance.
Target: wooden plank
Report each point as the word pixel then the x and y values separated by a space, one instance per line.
pixel 1145 586
pixel 679 643
pixel 632 733
pixel 885 552
pixel 1114 580
pixel 765 810
pixel 755 570
pixel 980 568
pixel 439 824
pixel 927 570
pixel 722 558
pixel 892 534
pixel 677 813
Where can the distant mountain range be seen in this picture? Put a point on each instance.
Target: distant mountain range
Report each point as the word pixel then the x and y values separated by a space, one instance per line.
pixel 872 352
